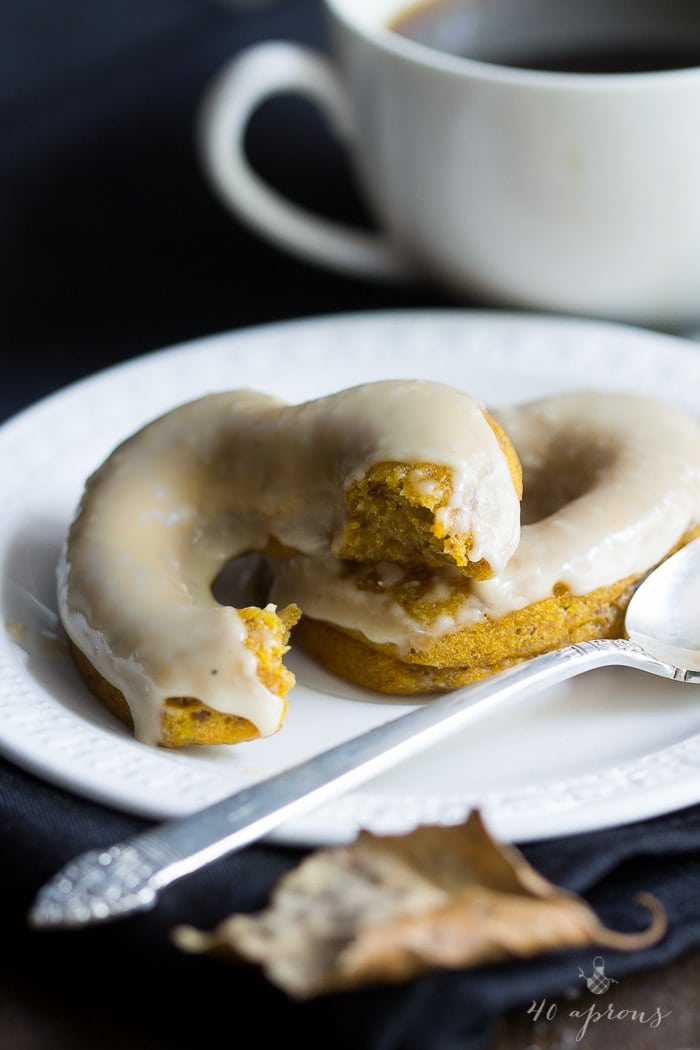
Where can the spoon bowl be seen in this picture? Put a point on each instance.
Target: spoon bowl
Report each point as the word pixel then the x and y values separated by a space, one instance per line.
pixel 663 617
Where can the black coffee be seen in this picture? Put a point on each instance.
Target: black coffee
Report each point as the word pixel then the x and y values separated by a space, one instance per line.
pixel 536 34
pixel 600 60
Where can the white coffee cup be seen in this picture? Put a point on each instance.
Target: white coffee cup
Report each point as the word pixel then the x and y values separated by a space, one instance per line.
pixel 558 191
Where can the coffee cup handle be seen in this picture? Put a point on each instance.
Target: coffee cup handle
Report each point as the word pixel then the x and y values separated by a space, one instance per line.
pixel 243 84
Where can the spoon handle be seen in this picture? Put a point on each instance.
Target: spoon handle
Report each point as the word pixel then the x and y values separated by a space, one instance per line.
pixel 105 884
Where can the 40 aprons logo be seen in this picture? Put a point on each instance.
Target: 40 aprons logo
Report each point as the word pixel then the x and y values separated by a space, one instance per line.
pixel 598 983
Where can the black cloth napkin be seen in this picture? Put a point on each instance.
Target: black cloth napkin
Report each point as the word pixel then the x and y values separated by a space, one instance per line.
pixel 111 245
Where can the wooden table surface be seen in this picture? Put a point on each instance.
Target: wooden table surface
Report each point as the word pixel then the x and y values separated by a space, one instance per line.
pixel 33 1017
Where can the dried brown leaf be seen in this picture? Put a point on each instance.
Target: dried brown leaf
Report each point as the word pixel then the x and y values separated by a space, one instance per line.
pixel 387 908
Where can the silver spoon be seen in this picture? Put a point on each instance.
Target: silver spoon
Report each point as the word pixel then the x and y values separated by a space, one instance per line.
pixel 663 637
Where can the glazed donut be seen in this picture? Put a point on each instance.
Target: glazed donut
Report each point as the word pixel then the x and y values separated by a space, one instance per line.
pixel 611 486
pixel 412 472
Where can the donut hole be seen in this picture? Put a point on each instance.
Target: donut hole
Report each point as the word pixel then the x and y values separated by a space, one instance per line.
pixel 243 581
pixel 564 472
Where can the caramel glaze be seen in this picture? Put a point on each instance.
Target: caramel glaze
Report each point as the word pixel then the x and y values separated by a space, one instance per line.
pixel 611 484
pixel 232 473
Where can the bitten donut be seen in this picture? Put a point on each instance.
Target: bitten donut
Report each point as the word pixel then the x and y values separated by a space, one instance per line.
pixel 611 486
pixel 413 472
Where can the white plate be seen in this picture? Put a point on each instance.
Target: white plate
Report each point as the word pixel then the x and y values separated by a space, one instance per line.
pixel 607 748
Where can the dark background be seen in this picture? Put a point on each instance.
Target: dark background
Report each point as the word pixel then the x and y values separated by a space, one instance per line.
pixel 111 243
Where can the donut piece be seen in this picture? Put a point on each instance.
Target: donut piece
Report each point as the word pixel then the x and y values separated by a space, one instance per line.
pixel 416 465
pixel 400 513
pixel 611 487
pixel 186 720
